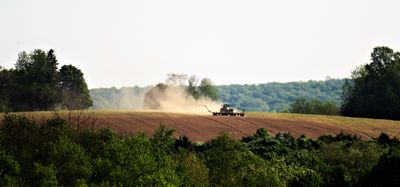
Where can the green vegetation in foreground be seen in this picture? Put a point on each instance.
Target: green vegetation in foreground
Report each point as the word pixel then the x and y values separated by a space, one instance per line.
pixel 52 153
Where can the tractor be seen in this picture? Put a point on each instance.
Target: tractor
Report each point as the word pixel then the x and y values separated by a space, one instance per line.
pixel 228 110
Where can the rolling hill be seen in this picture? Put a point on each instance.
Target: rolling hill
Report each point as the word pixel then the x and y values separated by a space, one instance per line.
pixel 205 127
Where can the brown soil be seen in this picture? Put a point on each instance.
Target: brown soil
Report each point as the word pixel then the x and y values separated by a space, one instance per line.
pixel 206 127
pixel 203 127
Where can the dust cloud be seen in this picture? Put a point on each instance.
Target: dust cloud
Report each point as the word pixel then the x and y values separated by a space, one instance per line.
pixel 175 99
pixel 123 98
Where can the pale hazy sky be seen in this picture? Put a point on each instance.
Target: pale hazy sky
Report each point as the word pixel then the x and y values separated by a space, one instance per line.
pixel 126 43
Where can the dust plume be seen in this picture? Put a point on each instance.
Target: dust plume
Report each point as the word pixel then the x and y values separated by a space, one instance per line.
pixel 123 98
pixel 177 100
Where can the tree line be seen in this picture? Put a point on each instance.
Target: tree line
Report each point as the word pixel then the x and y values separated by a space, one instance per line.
pixel 52 153
pixel 372 92
pixel 302 105
pixel 277 97
pixel 36 83
pixel 270 97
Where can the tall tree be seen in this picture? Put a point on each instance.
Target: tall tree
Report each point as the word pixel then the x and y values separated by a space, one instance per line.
pixel 192 87
pixel 5 81
pixel 36 84
pixel 74 90
pixel 36 81
pixel 373 90
pixel 208 89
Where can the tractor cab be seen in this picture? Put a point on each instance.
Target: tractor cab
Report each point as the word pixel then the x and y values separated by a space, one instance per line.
pixel 226 108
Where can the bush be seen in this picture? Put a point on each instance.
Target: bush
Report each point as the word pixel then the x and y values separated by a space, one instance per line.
pixel 387 171
pixel 72 163
pixel 314 106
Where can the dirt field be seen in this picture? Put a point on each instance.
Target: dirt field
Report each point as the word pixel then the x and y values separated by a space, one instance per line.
pixel 205 127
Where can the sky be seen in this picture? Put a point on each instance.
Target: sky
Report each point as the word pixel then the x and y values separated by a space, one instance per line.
pixel 126 43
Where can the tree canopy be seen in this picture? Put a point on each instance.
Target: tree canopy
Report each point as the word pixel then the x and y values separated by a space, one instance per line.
pixel 36 84
pixel 313 106
pixel 373 90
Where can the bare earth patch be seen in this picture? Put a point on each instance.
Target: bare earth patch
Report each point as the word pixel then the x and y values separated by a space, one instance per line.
pixel 206 127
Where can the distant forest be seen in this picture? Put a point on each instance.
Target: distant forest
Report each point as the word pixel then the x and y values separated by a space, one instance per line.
pixel 276 97
pixel 269 97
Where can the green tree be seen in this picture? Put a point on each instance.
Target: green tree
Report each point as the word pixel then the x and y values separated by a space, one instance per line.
pixel 36 84
pixel 6 82
pixel 72 163
pixel 45 175
pixel 373 88
pixel 163 139
pixel 192 87
pixel 19 138
pixel 192 170
pixel 348 163
pixel 9 169
pixel 74 91
pixel 314 106
pixel 387 171
pixel 207 89
pixel 36 81
pixel 230 163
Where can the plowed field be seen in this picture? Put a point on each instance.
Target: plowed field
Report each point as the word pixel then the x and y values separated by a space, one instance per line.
pixel 205 127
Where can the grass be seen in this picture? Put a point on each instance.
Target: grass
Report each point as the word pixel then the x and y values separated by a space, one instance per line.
pixel 352 123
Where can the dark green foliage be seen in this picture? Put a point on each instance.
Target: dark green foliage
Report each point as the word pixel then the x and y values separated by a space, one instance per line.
pixel 230 163
pixel 347 163
pixel 373 89
pixel 6 83
pixel 192 87
pixel 162 139
pixel 9 169
pixel 74 91
pixel 387 171
pixel 36 84
pixel 386 141
pixel 70 159
pixel 44 175
pixel 53 129
pixel 207 89
pixel 313 106
pixel 36 81
pixel 183 142
pixel 270 147
pixel 341 137
pixel 223 157
pixel 192 170
pixel 19 139
pixel 51 153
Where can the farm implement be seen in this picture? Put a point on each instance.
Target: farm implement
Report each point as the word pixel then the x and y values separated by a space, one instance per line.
pixel 227 110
